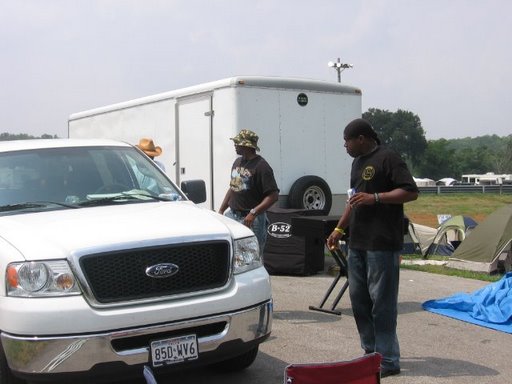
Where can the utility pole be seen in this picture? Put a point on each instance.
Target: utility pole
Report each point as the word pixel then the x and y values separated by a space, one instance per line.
pixel 339 67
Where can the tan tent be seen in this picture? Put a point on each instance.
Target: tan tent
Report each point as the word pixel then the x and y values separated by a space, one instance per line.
pixel 418 238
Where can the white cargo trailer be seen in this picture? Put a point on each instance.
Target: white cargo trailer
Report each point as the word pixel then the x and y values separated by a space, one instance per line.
pixel 300 124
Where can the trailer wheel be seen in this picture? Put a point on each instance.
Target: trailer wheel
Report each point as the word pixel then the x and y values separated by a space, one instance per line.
pixel 312 193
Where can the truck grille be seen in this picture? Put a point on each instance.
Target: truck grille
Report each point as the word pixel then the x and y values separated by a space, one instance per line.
pixel 121 276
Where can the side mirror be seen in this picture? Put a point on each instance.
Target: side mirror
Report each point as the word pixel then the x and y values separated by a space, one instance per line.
pixel 195 190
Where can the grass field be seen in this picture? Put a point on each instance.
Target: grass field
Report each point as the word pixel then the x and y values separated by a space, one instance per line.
pixel 475 205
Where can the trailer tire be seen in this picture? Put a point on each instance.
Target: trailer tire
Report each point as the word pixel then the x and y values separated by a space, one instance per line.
pixel 311 193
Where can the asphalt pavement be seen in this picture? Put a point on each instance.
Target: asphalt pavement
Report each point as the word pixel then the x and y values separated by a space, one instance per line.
pixel 434 348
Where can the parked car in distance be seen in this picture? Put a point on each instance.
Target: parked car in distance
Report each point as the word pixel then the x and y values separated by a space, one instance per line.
pixel 106 266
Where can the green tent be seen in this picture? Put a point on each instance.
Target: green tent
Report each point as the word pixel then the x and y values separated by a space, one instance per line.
pixel 489 242
pixel 450 234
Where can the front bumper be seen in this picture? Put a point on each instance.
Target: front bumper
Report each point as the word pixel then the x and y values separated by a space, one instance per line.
pixel 32 356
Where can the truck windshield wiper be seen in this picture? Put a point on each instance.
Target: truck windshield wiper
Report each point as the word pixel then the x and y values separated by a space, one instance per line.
pixel 32 205
pixel 105 199
pixel 20 206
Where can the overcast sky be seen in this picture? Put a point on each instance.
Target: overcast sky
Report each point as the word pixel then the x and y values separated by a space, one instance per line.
pixel 449 62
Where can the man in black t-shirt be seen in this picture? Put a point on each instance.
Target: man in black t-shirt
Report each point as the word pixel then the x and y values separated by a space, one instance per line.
pixel 374 215
pixel 253 188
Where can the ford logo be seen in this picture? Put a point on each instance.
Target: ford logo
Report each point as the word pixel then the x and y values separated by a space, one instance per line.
pixel 160 271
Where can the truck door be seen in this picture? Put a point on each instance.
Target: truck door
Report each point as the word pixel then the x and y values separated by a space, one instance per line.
pixel 194 137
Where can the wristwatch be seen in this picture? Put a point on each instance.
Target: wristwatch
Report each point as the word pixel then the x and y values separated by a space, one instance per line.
pixel 253 212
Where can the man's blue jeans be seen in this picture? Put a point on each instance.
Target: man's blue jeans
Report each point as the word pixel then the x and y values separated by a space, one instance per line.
pixel 373 285
pixel 259 226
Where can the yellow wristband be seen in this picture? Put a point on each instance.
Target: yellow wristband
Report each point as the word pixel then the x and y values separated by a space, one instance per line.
pixel 339 230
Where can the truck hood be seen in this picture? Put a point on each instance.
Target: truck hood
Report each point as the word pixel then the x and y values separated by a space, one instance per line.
pixel 75 232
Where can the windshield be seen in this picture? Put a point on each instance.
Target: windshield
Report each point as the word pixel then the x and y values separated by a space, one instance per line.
pixel 57 178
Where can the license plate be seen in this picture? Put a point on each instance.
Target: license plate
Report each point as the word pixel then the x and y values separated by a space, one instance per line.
pixel 174 350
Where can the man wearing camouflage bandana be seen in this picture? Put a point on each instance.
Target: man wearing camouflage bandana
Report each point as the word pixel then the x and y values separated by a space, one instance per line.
pixel 253 188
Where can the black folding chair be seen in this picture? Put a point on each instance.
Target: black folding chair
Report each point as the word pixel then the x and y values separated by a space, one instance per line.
pixel 339 255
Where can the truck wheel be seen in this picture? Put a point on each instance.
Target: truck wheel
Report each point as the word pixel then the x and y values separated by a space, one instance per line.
pixel 237 363
pixel 312 193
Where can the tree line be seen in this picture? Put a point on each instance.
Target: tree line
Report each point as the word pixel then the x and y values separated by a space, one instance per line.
pixel 23 136
pixel 435 159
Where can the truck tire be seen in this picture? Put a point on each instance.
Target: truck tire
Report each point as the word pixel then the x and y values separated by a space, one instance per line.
pixel 312 193
pixel 237 363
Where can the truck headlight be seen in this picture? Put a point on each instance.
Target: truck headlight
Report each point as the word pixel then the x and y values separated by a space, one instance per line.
pixel 40 279
pixel 247 255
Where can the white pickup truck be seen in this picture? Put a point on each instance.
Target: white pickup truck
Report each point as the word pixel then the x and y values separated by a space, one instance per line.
pixel 106 267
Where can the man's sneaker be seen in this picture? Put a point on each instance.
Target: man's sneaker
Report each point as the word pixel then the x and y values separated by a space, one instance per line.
pixel 385 372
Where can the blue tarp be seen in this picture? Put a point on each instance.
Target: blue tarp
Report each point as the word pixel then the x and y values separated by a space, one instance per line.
pixel 490 306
